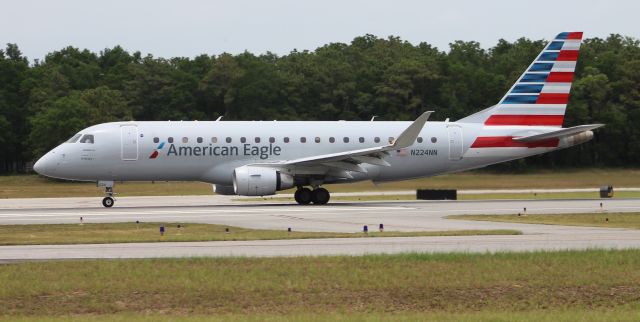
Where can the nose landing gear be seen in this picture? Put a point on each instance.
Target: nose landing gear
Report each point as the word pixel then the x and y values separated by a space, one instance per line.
pixel 305 196
pixel 109 200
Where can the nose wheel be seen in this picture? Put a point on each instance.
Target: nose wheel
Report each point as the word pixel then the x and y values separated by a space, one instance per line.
pixel 109 199
pixel 108 202
pixel 318 196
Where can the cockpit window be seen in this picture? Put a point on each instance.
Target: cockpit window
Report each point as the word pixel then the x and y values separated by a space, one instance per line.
pixel 87 138
pixel 74 138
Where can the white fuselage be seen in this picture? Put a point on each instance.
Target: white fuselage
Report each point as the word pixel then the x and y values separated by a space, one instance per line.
pixel 210 151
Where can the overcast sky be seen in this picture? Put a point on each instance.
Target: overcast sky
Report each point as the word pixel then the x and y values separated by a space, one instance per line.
pixel 192 27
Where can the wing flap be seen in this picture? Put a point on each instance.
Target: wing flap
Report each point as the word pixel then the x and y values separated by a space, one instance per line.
pixel 371 160
pixel 345 166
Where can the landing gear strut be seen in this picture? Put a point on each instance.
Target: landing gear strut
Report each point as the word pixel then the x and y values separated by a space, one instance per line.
pixel 305 196
pixel 109 200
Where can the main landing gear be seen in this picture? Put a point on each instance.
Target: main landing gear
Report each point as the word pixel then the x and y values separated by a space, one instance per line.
pixel 109 200
pixel 317 196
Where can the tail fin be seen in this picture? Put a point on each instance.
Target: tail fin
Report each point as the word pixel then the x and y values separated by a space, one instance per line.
pixel 540 96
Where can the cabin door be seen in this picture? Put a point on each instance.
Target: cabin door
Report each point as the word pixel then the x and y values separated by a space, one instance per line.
pixel 129 137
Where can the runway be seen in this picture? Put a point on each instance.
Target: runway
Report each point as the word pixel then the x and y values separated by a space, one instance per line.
pixel 338 217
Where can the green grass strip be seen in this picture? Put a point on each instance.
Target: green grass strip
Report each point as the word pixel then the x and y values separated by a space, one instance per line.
pixel 501 286
pixel 150 232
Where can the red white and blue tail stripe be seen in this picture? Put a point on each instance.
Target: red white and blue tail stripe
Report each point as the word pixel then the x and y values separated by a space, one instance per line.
pixel 541 94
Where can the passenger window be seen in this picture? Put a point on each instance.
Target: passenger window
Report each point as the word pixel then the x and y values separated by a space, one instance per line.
pixel 87 138
pixel 74 138
pixel 214 139
pixel 376 139
pixel 419 139
pixel 361 139
pixel 170 140
pixel 156 140
pixel 391 139
pixel 332 139
pixel 303 139
pixel 286 139
pixel 199 139
pixel 317 139
pixel 228 140
pixel 434 140
pixel 272 140
pixel 185 140
pixel 243 140
pixel 257 139
pixel 345 139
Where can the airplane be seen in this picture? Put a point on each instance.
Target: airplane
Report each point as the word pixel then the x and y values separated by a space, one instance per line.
pixel 259 158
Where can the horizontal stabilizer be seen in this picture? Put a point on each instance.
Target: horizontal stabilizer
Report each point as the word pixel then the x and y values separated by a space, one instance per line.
pixel 558 134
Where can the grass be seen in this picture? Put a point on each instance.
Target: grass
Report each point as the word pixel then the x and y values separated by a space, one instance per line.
pixel 26 186
pixel 617 314
pixel 32 186
pixel 150 232
pixel 612 220
pixel 569 285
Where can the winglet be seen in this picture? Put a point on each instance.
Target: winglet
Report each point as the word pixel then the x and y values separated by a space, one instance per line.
pixel 410 134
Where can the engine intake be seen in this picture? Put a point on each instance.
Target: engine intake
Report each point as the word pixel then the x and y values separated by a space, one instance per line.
pixel 259 181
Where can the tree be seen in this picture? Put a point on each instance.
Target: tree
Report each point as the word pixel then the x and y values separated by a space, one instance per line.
pixel 70 114
pixel 219 86
pixel 13 69
pixel 44 102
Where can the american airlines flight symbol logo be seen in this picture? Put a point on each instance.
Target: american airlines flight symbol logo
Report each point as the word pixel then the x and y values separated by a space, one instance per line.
pixel 155 152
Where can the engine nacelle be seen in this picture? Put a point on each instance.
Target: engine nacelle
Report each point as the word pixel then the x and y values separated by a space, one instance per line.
pixel 259 181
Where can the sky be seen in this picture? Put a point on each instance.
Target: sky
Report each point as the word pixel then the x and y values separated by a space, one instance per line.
pixel 187 28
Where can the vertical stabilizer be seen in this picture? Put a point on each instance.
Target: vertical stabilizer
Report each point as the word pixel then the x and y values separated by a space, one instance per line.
pixel 541 94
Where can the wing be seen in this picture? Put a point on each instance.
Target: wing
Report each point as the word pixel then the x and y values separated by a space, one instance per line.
pixel 351 160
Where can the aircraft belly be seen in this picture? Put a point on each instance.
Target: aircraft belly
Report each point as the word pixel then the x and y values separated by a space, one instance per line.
pixel 164 170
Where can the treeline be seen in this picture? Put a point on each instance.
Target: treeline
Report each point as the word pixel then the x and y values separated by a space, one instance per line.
pixel 44 102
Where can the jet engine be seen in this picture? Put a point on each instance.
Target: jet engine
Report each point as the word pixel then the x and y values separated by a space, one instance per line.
pixel 259 181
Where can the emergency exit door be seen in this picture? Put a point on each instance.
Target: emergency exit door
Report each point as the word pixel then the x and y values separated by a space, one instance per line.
pixel 455 142
pixel 129 139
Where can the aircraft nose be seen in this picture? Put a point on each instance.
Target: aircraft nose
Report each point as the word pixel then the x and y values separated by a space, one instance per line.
pixel 46 164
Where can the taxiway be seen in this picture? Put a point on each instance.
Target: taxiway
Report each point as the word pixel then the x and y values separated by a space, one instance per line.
pixel 338 217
